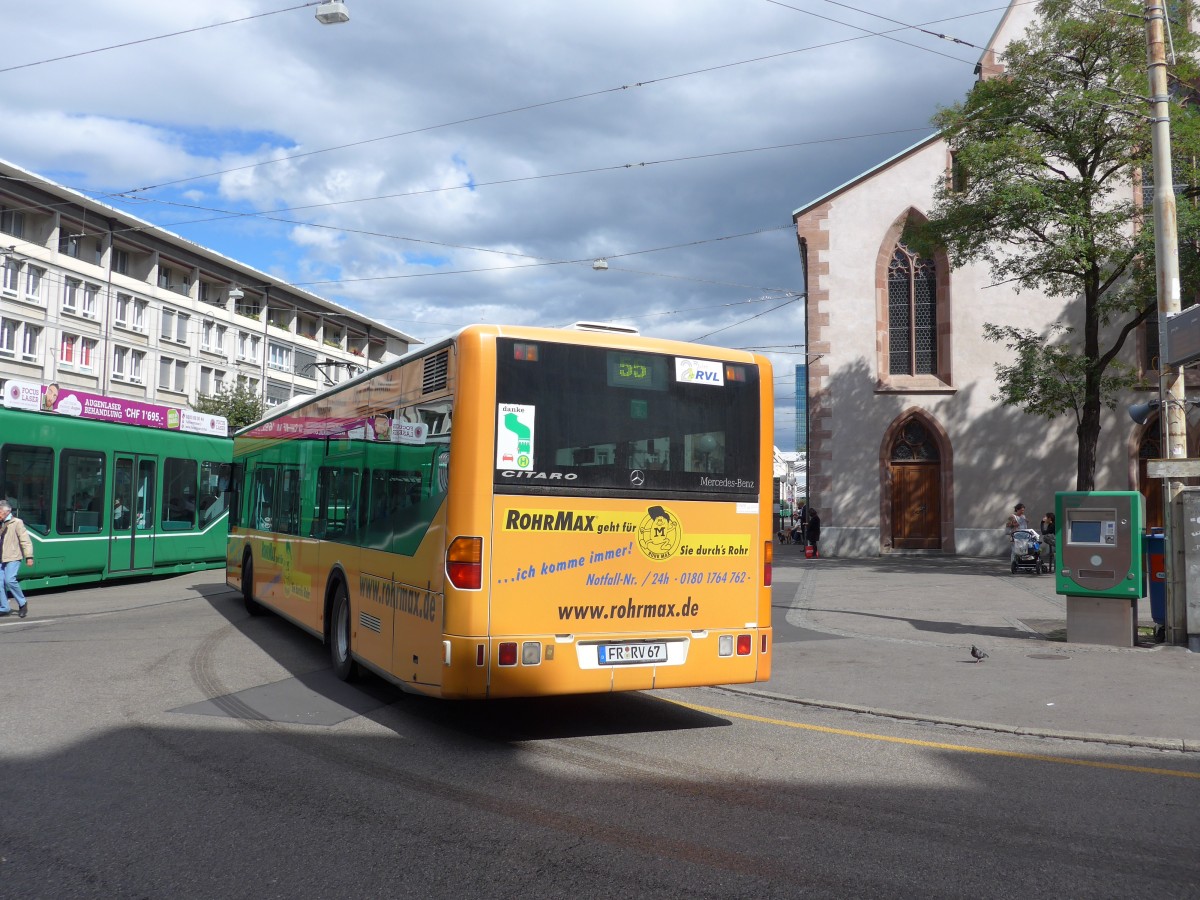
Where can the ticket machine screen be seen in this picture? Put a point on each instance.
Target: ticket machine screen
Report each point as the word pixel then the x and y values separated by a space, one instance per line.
pixel 1093 527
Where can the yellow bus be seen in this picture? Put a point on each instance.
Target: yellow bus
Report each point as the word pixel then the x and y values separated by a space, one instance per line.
pixel 521 511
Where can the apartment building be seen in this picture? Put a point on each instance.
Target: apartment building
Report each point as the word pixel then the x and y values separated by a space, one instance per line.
pixel 97 299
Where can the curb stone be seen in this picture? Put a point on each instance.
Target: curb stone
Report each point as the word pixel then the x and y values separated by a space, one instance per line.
pixel 1179 745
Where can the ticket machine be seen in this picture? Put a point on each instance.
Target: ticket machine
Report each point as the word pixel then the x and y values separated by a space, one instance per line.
pixel 1100 563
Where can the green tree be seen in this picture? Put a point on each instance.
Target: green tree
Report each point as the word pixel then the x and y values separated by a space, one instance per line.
pixel 236 402
pixel 1052 151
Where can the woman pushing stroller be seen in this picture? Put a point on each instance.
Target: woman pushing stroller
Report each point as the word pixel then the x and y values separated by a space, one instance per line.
pixel 1025 546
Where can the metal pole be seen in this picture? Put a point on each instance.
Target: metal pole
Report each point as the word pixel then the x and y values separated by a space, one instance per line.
pixel 1172 409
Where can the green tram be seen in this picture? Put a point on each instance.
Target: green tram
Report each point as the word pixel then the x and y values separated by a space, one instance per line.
pixel 105 500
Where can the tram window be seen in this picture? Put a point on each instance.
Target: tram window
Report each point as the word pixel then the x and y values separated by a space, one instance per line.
pixel 80 497
pixel 27 474
pixel 179 494
pixel 212 498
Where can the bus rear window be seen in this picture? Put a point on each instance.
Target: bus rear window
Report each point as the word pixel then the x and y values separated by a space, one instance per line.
pixel 599 420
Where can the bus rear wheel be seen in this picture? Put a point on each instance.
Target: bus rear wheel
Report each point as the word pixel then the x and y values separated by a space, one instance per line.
pixel 252 606
pixel 344 666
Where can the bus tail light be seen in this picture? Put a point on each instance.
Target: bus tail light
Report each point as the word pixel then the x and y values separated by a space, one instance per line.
pixel 744 644
pixel 480 656
pixel 764 643
pixel 725 645
pixel 464 563
pixel 508 653
pixel 768 559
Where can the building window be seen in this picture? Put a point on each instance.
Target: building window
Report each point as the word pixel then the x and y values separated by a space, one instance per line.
pixel 249 383
pixel 31 339
pixel 120 261
pixel 75 352
pixel 912 314
pixel 249 346
pixel 72 288
pixel 120 363
pixel 12 222
pixel 173 280
pixel 11 277
pixel 172 375
pixel 87 350
pixel 131 312
pixel 33 283
pixel 9 329
pixel 137 358
pixel 306 364
pixel 212 337
pixel 174 326
pixel 277 392
pixel 87 307
pixel 279 356
pixel 251 309
pixel 212 381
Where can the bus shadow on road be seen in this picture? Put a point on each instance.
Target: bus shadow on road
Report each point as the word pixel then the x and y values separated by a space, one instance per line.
pixel 552 718
pixel 315 696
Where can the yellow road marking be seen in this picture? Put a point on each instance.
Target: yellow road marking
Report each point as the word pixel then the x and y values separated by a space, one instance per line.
pixel 936 745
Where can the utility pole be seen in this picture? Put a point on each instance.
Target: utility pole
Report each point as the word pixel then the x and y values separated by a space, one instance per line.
pixel 1172 405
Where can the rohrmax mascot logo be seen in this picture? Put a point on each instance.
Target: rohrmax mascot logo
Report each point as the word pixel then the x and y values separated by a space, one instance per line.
pixel 659 533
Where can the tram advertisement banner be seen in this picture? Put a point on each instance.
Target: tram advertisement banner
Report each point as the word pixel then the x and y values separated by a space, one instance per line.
pixel 81 404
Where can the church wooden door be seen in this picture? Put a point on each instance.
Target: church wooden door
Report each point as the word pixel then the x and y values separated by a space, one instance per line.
pixel 916 490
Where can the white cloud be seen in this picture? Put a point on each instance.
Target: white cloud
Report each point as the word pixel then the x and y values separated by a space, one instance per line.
pixel 410 93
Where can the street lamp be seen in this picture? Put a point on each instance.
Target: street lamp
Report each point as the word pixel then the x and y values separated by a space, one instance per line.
pixel 332 12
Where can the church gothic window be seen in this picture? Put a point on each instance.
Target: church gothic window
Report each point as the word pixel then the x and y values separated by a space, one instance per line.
pixel 912 313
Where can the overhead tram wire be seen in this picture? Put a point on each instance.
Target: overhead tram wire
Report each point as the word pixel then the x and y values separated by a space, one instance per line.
pixel 886 35
pixel 749 318
pixel 562 100
pixel 132 196
pixel 42 62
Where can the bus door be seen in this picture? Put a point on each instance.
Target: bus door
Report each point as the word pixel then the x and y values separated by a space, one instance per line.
pixel 134 481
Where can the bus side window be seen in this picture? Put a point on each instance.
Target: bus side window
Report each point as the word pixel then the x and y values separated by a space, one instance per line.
pixel 336 507
pixel 262 499
pixel 288 510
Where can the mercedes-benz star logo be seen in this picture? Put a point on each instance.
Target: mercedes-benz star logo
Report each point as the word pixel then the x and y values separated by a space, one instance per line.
pixel 637 477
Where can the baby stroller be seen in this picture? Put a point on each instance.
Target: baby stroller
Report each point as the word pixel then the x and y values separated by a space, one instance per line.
pixel 1026 553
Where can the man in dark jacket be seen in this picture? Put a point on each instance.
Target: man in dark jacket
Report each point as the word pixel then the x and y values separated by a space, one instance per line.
pixel 814 531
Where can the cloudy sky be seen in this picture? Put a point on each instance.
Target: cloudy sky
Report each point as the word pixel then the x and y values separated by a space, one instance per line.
pixel 433 163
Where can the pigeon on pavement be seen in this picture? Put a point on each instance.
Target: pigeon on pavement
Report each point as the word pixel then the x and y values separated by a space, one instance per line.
pixel 979 655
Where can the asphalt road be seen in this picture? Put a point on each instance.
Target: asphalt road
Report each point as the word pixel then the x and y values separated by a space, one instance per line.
pixel 157 742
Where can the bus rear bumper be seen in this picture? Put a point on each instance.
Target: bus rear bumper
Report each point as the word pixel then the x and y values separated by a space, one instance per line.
pixel 543 665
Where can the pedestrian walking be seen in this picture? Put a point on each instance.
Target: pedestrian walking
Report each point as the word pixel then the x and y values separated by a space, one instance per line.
pixel 814 533
pixel 15 545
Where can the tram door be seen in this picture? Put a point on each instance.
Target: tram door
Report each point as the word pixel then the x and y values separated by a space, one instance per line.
pixel 132 545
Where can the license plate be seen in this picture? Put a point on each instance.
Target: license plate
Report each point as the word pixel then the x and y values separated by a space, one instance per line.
pixel 632 653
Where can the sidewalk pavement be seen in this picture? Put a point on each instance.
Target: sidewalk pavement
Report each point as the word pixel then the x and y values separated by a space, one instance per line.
pixel 892 636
